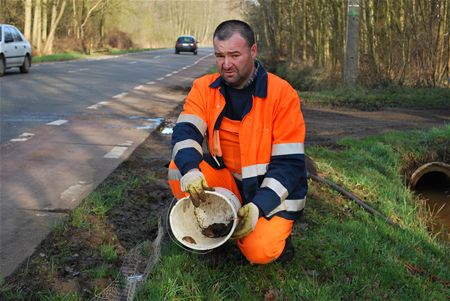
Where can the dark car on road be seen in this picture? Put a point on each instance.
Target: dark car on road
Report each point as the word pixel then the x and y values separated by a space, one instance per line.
pixel 186 44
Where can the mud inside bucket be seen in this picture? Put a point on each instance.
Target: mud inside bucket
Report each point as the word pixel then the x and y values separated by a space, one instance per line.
pixel 207 226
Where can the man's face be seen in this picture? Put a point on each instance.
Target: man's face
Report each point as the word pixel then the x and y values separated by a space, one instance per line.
pixel 235 60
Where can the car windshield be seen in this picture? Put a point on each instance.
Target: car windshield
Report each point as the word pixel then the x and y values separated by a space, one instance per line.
pixel 185 40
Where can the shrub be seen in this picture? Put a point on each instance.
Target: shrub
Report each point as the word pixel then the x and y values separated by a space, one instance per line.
pixel 119 39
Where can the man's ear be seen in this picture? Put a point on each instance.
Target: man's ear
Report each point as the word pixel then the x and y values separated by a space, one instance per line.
pixel 254 51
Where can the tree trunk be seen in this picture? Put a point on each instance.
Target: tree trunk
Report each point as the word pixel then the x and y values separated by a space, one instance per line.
pixel 27 23
pixel 56 17
pixel 36 38
pixel 44 21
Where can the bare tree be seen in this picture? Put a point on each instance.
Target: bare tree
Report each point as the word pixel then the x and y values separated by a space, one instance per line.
pixel 27 21
pixel 36 37
pixel 58 8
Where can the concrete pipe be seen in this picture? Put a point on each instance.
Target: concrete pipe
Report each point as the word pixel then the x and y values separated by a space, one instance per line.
pixel 437 167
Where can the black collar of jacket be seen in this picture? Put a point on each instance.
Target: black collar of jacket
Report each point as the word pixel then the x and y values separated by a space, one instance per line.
pixel 260 81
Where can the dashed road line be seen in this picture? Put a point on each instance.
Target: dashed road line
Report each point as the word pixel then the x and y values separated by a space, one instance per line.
pixel 127 143
pixel 72 193
pixel 57 122
pixel 161 78
pixel 22 137
pixel 140 87
pixel 97 105
pixel 120 95
pixel 151 83
pixel 118 150
pixel 78 70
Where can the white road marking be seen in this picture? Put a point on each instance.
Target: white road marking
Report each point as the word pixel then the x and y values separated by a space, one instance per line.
pixel 156 57
pixel 120 95
pixel 106 58
pixel 116 152
pixel 134 62
pixel 145 127
pixel 151 83
pixel 168 75
pixel 161 78
pixel 74 192
pixel 184 68
pixel 127 143
pixel 140 87
pixel 97 105
pixel 57 122
pixel 79 70
pixel 22 137
pixel 19 139
pixel 175 72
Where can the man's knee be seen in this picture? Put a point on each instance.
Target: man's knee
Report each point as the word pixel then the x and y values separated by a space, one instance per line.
pixel 267 241
pixel 260 251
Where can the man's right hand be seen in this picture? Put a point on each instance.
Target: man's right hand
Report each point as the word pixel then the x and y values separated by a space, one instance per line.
pixel 195 184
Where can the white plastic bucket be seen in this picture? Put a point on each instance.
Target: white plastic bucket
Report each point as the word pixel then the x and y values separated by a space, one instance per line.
pixel 188 224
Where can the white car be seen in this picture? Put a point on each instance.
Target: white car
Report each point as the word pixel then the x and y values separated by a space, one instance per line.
pixel 15 50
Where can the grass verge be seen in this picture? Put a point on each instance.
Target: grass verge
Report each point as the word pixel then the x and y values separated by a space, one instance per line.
pixel 376 99
pixel 342 252
pixel 78 55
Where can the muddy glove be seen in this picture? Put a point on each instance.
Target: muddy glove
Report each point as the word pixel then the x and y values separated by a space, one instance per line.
pixel 195 184
pixel 248 216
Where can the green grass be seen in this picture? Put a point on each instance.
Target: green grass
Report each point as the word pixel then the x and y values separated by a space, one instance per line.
pixel 59 57
pixel 99 202
pixel 131 50
pixel 108 252
pixel 375 99
pixel 78 55
pixel 344 253
pixel 102 271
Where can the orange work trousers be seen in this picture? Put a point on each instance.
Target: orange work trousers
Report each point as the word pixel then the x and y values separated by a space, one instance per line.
pixel 267 241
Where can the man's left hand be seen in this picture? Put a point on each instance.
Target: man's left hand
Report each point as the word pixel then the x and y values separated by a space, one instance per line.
pixel 248 217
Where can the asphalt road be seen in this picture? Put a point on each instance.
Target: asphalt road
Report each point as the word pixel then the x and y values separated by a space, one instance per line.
pixel 66 126
pixel 53 91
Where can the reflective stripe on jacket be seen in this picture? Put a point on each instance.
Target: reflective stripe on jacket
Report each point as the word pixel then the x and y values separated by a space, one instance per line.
pixel 271 135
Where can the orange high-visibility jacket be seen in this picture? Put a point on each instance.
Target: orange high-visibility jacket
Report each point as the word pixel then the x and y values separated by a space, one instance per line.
pixel 271 138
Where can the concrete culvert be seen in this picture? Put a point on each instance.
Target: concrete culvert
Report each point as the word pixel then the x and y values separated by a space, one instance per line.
pixel 432 182
pixel 441 169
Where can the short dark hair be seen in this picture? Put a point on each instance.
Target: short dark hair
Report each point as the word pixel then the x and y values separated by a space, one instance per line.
pixel 227 28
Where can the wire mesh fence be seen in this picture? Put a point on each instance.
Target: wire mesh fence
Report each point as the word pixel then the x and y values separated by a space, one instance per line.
pixel 136 267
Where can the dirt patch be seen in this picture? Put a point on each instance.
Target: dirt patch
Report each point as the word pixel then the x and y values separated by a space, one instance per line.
pixel 70 260
pixel 326 125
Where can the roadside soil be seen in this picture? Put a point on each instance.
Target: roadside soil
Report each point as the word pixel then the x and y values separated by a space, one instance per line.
pixel 64 262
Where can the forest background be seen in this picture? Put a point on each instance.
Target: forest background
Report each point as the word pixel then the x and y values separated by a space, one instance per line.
pixel 400 42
